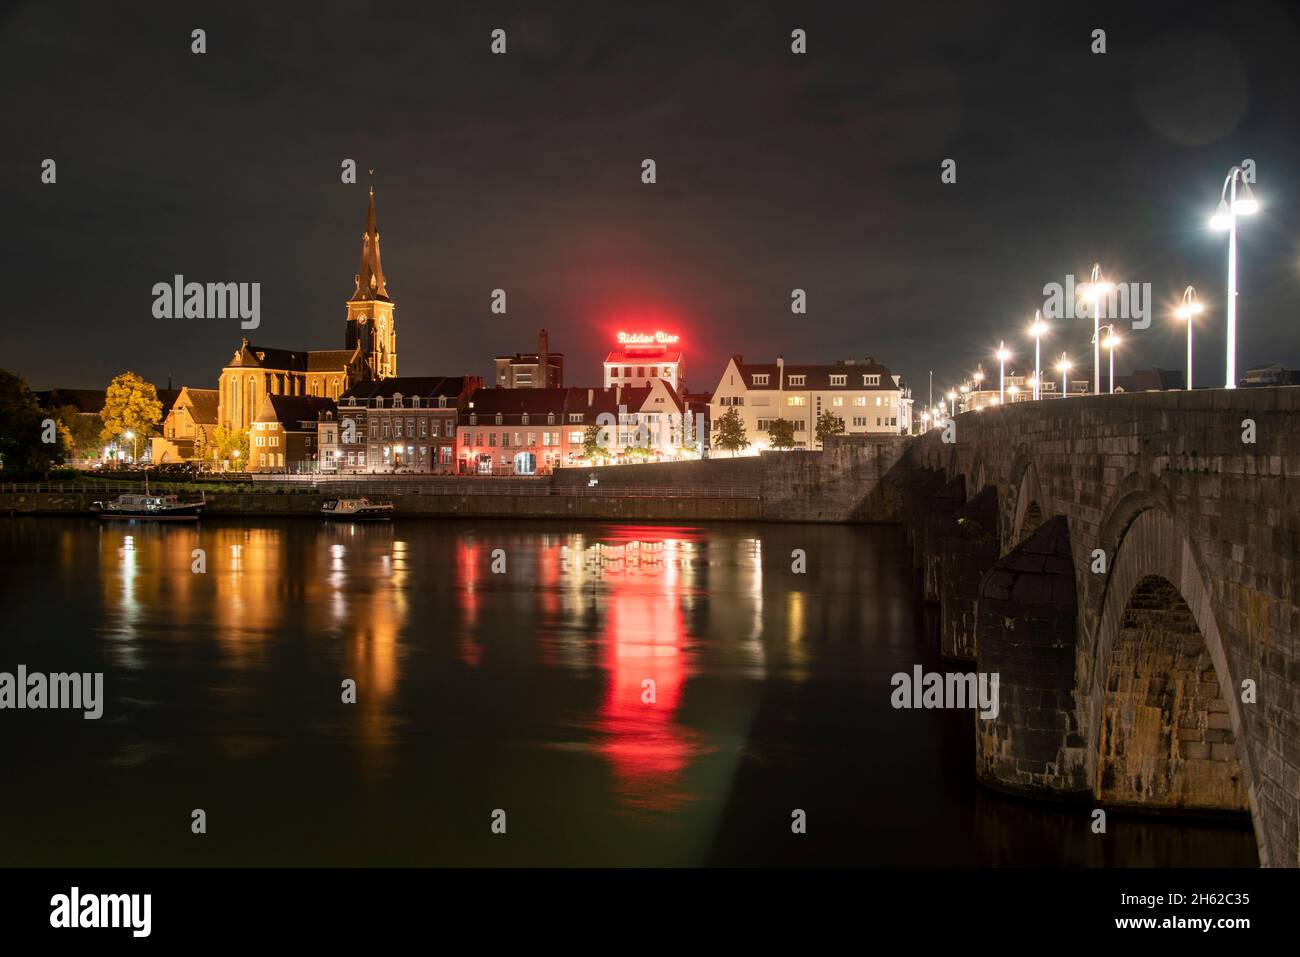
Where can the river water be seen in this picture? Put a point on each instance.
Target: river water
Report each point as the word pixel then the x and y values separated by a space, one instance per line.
pixel 502 667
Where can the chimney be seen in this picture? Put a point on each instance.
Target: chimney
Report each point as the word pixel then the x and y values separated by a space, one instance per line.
pixel 543 361
pixel 591 397
pixel 780 372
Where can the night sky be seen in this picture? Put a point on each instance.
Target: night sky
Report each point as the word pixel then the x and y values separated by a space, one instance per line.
pixel 522 171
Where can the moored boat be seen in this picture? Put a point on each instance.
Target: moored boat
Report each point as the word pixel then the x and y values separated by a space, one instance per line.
pixel 146 507
pixel 357 510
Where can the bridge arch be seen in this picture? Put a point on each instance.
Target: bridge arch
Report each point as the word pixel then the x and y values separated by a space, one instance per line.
pixel 1162 692
pixel 1031 508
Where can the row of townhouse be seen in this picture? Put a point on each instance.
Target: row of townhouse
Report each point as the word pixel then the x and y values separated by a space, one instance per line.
pixel 531 431
pixel 451 425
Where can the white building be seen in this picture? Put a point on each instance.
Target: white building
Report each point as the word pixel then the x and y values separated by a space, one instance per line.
pixel 643 359
pixel 863 394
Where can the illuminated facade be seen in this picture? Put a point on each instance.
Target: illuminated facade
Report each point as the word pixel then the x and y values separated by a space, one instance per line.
pixel 406 424
pixel 369 354
pixel 542 369
pixel 863 394
pixel 644 358
pixel 533 431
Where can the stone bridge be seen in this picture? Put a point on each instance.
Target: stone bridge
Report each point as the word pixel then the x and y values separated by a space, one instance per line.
pixel 1128 565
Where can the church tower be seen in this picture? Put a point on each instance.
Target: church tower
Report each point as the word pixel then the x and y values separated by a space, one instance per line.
pixel 370 311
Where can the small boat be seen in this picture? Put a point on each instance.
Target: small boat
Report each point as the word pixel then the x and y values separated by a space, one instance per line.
pixel 357 510
pixel 155 508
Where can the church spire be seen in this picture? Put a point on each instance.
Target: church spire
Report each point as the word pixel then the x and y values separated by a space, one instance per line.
pixel 370 276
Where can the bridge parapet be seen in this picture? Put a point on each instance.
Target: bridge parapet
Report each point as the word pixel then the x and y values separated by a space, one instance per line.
pixel 1198 490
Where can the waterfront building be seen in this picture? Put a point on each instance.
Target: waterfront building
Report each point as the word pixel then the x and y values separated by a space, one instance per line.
pixel 1154 379
pixel 643 358
pixel 534 431
pixel 524 370
pixel 283 433
pixel 1269 375
pixel 863 394
pixel 403 424
pixel 189 427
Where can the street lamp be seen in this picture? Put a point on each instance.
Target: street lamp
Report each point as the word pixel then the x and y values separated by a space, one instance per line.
pixel 925 421
pixel 1003 356
pixel 1037 330
pixel 1225 217
pixel 1064 366
pixel 952 402
pixel 134 454
pixel 1013 390
pixel 1095 290
pixel 1191 307
pixel 1111 342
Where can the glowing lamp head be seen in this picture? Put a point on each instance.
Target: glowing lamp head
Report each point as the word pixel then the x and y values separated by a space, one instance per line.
pixel 1246 203
pixel 1003 355
pixel 1063 365
pixel 1222 217
pixel 1111 341
pixel 979 377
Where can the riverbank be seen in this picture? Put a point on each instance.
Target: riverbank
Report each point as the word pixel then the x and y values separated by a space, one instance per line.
pixel 852 481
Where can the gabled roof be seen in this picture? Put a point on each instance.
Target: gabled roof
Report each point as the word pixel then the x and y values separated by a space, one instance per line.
pixel 203 404
pixel 290 411
pixel 817 377
pixel 426 387
pixel 263 357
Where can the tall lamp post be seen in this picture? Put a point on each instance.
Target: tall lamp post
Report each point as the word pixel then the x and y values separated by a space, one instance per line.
pixel 1191 307
pixel 1111 342
pixel 1225 217
pixel 952 403
pixel 1037 330
pixel 135 455
pixel 1003 356
pixel 1064 366
pixel 1096 290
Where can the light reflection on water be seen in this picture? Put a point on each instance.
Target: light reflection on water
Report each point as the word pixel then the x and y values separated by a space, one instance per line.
pixel 525 690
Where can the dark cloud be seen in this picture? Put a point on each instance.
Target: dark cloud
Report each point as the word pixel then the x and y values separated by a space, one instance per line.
pixel 775 171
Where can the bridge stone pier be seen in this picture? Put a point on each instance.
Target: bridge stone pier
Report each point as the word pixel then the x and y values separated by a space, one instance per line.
pixel 1128 565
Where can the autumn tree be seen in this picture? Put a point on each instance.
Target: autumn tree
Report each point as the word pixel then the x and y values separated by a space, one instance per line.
pixel 130 405
pixel 228 442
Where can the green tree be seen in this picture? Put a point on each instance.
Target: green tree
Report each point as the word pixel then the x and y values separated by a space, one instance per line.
pixel 591 444
pixel 729 433
pixel 80 432
pixel 781 434
pixel 130 405
pixel 228 442
pixel 23 429
pixel 828 424
pixel 200 445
